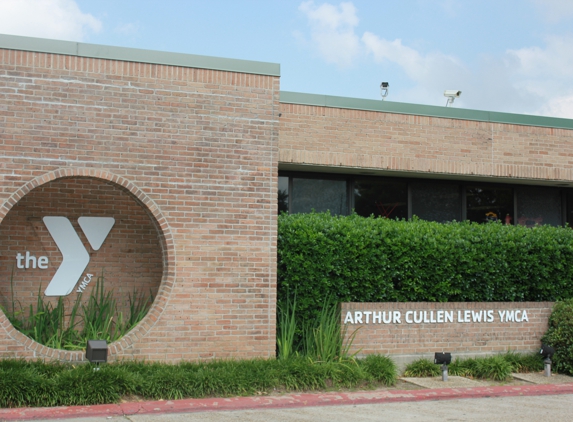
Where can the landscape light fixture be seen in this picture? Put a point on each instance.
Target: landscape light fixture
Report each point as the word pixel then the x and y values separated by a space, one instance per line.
pixel 384 90
pixel 96 352
pixel 547 353
pixel 443 359
pixel 451 94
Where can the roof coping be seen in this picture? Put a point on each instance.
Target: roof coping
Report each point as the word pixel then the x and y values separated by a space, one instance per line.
pixel 423 110
pixel 72 48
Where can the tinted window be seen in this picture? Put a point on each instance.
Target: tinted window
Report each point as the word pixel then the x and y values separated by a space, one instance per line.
pixel 489 204
pixel 381 198
pixel 537 205
pixel 319 195
pixel 436 201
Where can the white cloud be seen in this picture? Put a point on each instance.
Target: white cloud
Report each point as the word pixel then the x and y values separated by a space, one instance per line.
pixel 57 19
pixel 332 31
pixel 555 59
pixel 558 107
pixel 555 10
pixel 546 73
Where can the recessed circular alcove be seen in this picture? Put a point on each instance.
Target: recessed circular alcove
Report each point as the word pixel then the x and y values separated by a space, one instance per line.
pixel 106 221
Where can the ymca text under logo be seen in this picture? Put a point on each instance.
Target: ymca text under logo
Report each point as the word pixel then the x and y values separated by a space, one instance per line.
pixel 75 256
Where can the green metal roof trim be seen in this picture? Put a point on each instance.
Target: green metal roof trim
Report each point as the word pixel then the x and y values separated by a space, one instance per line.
pixel 70 48
pixel 423 110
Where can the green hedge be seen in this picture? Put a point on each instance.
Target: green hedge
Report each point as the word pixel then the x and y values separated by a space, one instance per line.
pixel 357 259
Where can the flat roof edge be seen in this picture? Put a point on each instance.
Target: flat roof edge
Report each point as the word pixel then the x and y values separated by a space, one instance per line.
pixel 289 97
pixel 72 48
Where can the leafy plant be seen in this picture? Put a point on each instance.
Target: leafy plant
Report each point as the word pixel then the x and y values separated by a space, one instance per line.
pixel 381 368
pixel 497 367
pixel 560 336
pixel 494 367
pixel 324 339
pixel 98 318
pixel 99 313
pixel 532 362
pixel 286 328
pixel 422 368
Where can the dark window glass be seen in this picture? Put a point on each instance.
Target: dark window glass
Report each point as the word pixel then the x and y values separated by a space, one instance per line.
pixel 536 205
pixel 283 194
pixel 439 202
pixel 489 204
pixel 319 195
pixel 569 215
pixel 381 198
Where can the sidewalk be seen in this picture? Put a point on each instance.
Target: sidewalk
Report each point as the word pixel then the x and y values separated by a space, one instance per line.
pixel 418 390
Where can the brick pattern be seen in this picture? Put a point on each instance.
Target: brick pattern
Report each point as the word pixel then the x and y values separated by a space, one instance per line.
pixel 198 148
pixel 335 137
pixel 393 338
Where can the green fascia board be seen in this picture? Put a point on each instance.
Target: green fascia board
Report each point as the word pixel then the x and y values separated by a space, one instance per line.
pixel 71 48
pixel 288 97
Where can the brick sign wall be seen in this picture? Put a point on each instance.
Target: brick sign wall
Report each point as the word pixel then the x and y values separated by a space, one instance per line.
pixel 130 258
pixel 418 329
pixel 188 152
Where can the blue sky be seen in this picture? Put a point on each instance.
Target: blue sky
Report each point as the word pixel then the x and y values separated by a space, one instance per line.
pixel 507 55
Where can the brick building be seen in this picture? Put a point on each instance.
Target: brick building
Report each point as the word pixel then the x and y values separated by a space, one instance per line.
pixel 186 156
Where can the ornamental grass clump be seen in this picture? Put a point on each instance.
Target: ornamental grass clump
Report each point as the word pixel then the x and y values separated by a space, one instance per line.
pixel 58 384
pixel 55 326
pixel 422 368
pixel 286 328
pixel 324 339
pixel 495 368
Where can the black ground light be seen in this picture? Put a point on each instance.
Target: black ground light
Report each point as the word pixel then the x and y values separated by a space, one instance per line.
pixel 547 353
pixel 96 352
pixel 443 359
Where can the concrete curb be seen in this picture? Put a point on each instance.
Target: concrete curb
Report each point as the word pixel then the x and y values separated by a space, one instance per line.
pixel 284 401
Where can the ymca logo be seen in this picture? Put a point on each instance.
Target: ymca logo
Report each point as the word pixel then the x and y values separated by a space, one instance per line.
pixel 75 256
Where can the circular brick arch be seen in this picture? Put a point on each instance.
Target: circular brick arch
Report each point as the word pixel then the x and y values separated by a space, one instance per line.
pixel 32 349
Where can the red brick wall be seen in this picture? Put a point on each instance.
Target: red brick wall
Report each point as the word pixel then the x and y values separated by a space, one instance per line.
pixel 337 137
pixel 413 339
pixel 197 148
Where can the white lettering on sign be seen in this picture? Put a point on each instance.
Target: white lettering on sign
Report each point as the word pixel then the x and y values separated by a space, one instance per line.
pixel 435 317
pixel 84 283
pixel 30 261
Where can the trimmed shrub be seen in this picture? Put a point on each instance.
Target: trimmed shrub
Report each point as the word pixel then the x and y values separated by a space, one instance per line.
pixel 358 259
pixel 560 336
pixel 381 368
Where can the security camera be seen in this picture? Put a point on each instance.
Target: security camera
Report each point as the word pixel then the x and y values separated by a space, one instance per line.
pixel 384 86
pixel 452 94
